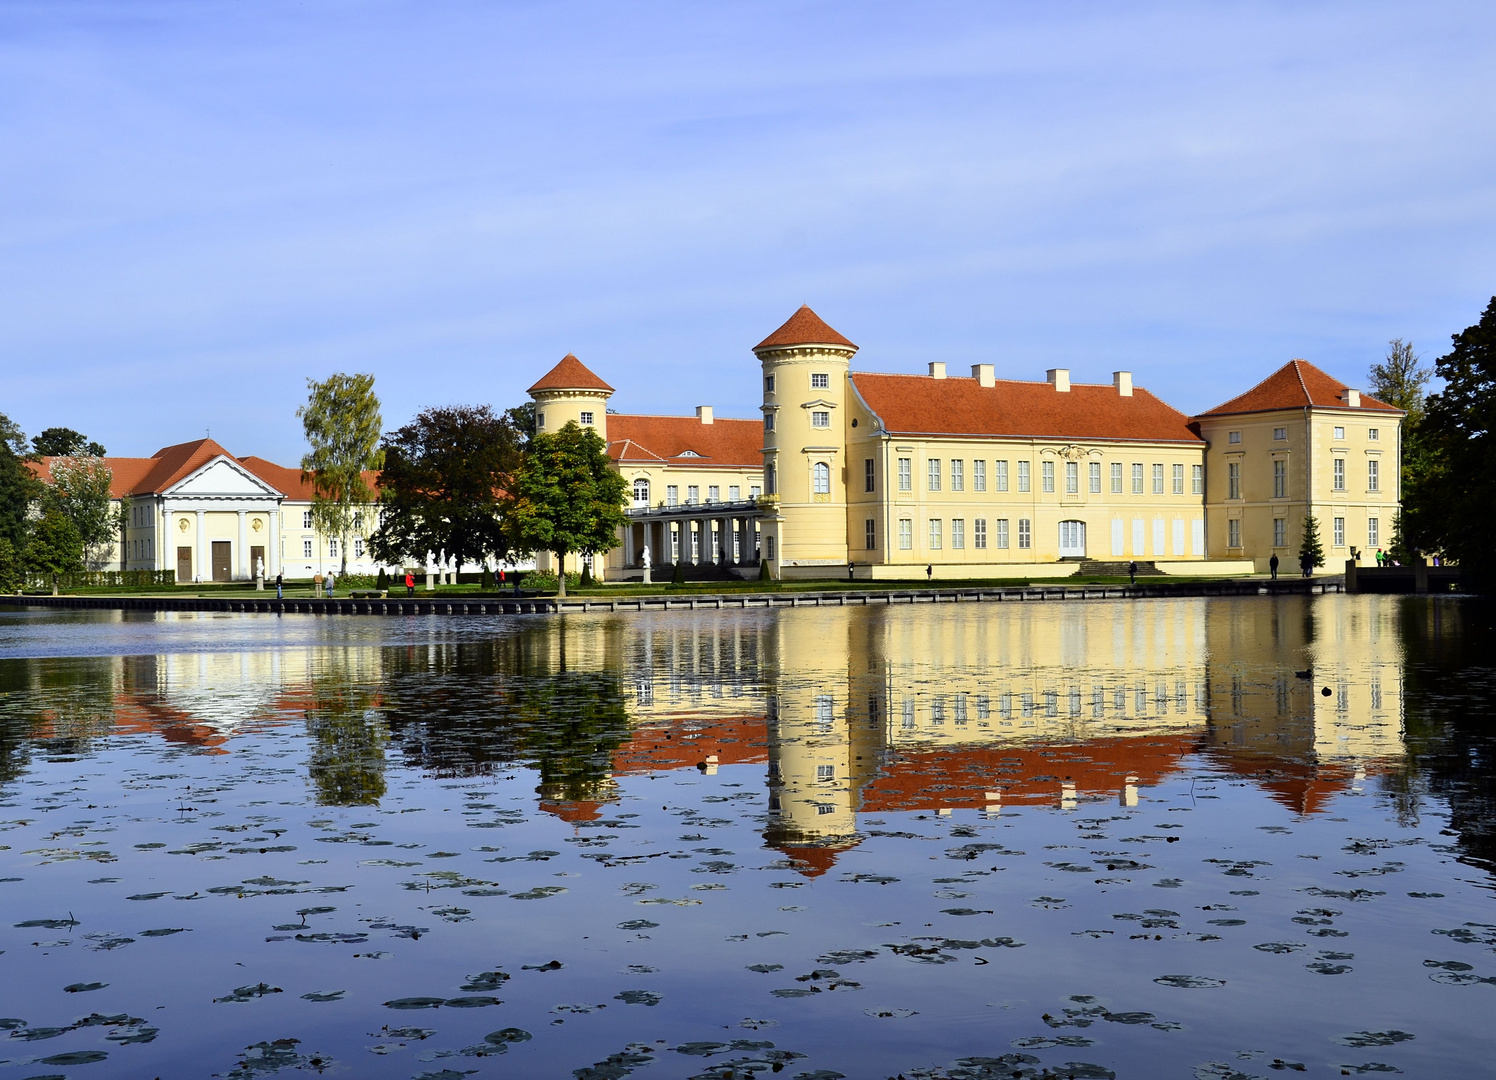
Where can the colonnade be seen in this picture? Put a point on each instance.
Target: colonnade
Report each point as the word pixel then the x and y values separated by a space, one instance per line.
pixel 691 539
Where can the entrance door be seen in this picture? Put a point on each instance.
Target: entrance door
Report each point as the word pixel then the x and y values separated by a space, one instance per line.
pixel 223 566
pixel 256 557
pixel 184 565
pixel 1072 538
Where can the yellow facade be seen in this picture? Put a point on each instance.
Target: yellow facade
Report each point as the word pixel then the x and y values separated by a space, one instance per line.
pixel 1268 470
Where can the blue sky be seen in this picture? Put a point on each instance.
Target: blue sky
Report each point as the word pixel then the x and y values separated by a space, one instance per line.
pixel 204 204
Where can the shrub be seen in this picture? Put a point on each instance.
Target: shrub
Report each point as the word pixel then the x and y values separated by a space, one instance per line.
pixel 486 584
pixel 586 576
pixel 679 577
pixel 382 581
pixel 763 572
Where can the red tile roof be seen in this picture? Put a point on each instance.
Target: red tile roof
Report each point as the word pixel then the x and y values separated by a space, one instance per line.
pixel 923 405
pixel 664 439
pixel 1293 386
pixel 804 327
pixel 172 464
pixel 570 374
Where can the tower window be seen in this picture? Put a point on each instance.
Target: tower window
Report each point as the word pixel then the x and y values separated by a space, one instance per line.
pixel 768 384
pixel 586 418
pixel 820 418
pixel 822 474
pixel 820 381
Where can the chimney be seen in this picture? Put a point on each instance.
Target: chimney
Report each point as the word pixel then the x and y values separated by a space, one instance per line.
pixel 1353 398
pixel 1122 380
pixel 704 413
pixel 1060 376
pixel 937 369
pixel 982 373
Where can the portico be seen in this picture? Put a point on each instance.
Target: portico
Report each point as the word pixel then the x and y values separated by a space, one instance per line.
pixel 695 535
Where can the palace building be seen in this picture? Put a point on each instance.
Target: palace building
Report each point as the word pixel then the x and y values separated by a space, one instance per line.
pixel 197 510
pixel 874 476
pixel 889 476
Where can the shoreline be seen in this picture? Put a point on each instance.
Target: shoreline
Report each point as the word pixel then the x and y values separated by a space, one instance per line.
pixel 550 605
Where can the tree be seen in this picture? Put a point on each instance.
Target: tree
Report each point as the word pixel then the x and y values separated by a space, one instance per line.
pixel 64 442
pixel 19 487
pixel 80 490
pixel 441 488
pixel 343 425
pixel 1310 544
pixel 1399 381
pixel 567 496
pixel 1460 427
pixel 54 546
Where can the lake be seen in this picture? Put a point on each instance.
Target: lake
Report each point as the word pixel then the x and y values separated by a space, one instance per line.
pixel 1176 838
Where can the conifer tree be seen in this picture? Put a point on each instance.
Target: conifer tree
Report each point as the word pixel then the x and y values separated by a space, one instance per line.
pixel 1310 545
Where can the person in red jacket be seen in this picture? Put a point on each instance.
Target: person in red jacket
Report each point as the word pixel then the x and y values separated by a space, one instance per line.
pixel 410 584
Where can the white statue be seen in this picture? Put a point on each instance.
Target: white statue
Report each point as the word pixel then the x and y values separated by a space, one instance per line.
pixel 644 560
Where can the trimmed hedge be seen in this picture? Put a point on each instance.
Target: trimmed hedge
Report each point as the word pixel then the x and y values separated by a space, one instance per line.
pixel 111 579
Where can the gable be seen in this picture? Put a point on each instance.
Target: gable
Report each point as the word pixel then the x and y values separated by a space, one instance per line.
pixel 223 477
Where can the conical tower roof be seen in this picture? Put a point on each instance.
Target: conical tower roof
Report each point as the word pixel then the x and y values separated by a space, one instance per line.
pixel 570 374
pixel 804 327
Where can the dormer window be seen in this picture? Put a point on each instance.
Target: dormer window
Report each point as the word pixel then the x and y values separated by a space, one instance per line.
pixel 820 381
pixel 688 453
pixel 586 418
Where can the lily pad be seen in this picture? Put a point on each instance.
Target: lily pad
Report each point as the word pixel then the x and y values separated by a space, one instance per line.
pixel 1190 982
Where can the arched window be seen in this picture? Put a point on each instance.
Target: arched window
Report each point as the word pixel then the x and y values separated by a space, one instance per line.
pixel 641 492
pixel 822 475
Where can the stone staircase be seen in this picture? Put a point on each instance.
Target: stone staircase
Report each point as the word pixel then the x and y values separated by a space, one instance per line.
pixel 1116 568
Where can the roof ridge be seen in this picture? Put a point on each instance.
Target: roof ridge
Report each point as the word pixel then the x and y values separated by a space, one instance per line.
pixel 1299 374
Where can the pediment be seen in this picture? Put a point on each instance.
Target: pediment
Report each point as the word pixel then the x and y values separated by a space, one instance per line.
pixel 221 476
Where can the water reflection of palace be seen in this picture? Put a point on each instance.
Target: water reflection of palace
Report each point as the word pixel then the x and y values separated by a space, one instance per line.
pixel 849 710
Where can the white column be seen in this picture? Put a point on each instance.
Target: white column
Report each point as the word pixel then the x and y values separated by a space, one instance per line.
pixel 245 571
pixel 273 546
pixel 199 564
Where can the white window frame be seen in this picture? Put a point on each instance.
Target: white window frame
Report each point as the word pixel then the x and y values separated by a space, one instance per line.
pixel 958 474
pixel 979 534
pixel 820 478
pixel 820 418
pixel 1000 475
pixel 1373 475
pixel 1046 476
pixel 870 534
pixel 934 534
pixel 820 380
pixel 1025 534
pixel 1095 477
pixel 979 475
pixel 1072 478
pixel 958 534
pixel 1158 479
pixel 1197 479
pixel 932 474
pixel 1001 529
pixel 906 474
pixel 1024 483
pixel 1338 532
pixel 1177 472
pixel 906 534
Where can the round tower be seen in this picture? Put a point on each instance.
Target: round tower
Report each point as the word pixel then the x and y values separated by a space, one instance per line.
pixel 805 367
pixel 570 392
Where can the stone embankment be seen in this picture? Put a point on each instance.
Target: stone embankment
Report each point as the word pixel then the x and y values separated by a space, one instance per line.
pixel 443 605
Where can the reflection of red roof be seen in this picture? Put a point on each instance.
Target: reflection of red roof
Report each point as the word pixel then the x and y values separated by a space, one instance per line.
pixel 815 860
pixel 668 439
pixel 804 327
pixel 960 778
pixel 1294 385
pixel 922 404
pixel 574 812
pixel 1305 787
pixel 570 374
pixel 682 744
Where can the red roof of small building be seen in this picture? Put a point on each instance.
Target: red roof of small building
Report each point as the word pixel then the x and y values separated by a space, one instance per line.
pixel 570 374
pixel 804 327
pixel 172 464
pixel 924 405
pixel 666 440
pixel 1295 385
